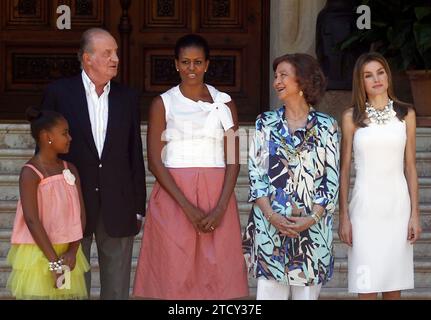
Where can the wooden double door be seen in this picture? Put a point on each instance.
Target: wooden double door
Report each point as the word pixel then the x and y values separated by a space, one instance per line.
pixel 34 52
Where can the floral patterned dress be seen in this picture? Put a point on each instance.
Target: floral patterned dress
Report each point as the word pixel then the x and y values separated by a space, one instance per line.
pixel 294 172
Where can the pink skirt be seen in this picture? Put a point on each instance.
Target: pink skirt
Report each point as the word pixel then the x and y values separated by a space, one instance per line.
pixel 175 262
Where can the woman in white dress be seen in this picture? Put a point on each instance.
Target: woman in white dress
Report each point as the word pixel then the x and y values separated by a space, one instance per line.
pixel 381 222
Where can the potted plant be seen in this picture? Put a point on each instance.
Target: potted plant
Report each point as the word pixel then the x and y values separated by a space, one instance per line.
pixel 401 31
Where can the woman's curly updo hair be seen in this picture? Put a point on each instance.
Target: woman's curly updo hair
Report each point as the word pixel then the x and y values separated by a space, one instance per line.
pixel 41 120
pixel 309 75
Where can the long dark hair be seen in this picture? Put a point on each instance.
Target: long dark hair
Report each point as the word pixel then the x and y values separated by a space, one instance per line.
pixel 359 96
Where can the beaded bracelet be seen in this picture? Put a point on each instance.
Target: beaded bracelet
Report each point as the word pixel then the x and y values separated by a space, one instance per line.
pixel 270 216
pixel 315 217
pixel 56 266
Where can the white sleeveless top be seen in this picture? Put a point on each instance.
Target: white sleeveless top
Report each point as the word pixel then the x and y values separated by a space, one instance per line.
pixel 195 130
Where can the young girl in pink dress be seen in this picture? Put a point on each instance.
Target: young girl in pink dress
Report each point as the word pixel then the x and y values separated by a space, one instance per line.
pixel 46 257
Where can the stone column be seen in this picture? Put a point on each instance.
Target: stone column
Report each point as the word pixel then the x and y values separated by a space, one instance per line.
pixel 293 29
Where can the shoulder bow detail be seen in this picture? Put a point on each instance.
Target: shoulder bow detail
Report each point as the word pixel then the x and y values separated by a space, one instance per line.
pixel 218 113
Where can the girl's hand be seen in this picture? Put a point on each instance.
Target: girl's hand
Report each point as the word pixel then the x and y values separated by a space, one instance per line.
pixel 414 229
pixel 69 259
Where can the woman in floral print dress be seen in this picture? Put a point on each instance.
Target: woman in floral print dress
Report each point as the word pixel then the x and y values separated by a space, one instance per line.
pixel 293 171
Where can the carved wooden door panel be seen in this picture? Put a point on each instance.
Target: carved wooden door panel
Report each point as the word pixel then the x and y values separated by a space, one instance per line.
pixel 33 52
pixel 236 31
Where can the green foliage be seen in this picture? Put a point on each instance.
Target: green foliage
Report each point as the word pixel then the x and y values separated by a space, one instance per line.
pixel 400 30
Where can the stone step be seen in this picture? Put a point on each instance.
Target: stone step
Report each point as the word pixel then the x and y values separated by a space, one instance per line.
pixel 332 293
pixel 5 235
pixel 325 294
pixel 7 216
pixel 5 270
pixel 6 295
pixel 94 294
pixel 425 215
pixel 423 164
pixel 12 160
pixel 422 248
pixel 339 280
pixel 17 136
pixel 422 273
pixel 422 277
pixel 17 140
pixel 8 209
pixel 9 189
pixel 423 139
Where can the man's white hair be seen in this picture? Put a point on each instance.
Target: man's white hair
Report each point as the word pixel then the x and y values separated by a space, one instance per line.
pixel 86 44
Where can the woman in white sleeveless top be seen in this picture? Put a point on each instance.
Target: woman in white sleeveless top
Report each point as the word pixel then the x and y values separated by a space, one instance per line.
pixel 381 222
pixel 191 248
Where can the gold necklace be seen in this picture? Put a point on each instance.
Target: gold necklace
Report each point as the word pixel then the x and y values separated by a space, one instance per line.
pixel 294 153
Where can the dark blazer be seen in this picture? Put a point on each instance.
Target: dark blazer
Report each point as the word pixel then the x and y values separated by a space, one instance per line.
pixel 113 186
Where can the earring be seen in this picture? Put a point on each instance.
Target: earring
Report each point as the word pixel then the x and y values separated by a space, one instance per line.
pixel 50 142
pixel 301 93
pixel 178 70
